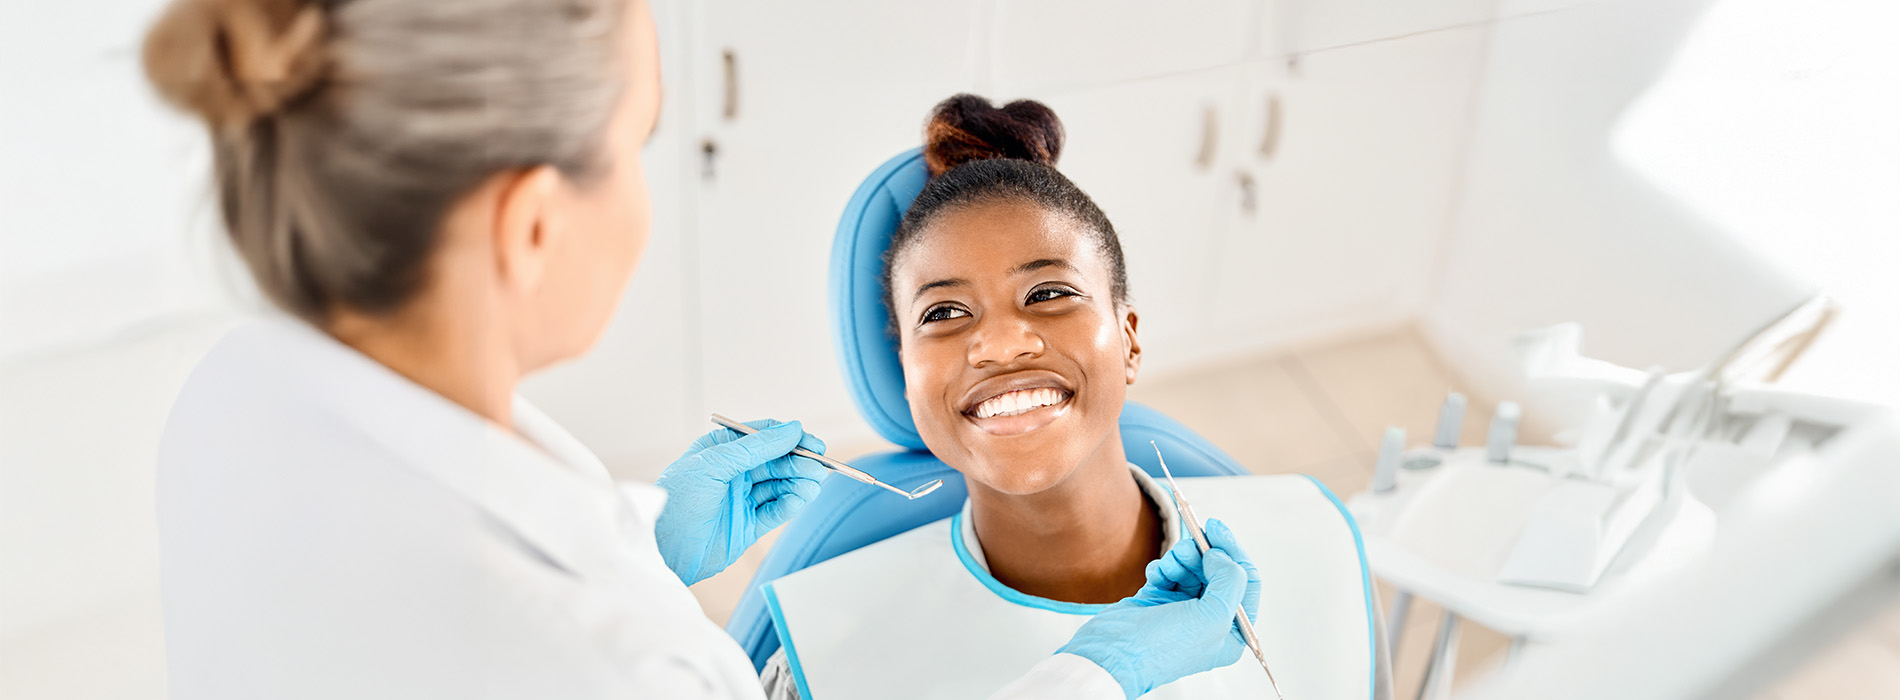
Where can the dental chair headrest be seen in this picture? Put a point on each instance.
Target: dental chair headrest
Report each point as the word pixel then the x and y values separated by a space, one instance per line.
pixel 859 318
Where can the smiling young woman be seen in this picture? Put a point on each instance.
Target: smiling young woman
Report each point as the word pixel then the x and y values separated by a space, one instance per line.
pixel 1008 298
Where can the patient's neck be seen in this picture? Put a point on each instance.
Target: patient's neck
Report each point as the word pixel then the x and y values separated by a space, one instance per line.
pixel 1087 540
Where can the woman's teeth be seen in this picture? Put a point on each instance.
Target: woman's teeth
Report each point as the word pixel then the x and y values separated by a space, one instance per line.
pixel 1021 401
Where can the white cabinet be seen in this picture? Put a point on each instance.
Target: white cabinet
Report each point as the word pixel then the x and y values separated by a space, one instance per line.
pixel 798 102
pixel 1296 26
pixel 1156 156
pixel 1357 195
pixel 1041 46
pixel 1232 243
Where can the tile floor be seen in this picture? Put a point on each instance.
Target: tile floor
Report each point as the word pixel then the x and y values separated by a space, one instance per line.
pixel 1321 411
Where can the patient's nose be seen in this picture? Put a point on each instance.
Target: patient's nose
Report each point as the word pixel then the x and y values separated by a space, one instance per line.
pixel 1004 341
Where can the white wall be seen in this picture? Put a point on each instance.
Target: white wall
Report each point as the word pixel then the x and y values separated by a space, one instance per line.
pixel 1550 226
pixel 105 219
pixel 111 286
pixel 1775 121
pixel 78 547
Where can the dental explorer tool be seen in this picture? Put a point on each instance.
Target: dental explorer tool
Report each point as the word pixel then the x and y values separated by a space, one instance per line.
pixel 835 465
pixel 1200 538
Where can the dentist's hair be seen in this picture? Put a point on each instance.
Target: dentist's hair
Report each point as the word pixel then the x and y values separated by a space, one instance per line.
pixel 979 154
pixel 342 131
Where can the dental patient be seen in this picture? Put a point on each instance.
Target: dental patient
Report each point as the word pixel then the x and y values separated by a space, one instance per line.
pixel 1009 301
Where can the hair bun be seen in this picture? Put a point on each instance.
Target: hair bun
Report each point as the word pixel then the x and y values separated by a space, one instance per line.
pixel 233 61
pixel 966 128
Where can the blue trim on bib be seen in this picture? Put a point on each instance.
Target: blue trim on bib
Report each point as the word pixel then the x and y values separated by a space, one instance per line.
pixel 1365 576
pixel 785 640
pixel 1005 592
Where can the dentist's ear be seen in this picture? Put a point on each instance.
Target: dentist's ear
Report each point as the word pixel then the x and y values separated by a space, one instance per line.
pixel 1133 360
pixel 526 225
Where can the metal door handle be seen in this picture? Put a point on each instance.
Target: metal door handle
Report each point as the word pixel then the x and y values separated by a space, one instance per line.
pixel 1270 140
pixel 730 60
pixel 1210 137
pixel 1249 194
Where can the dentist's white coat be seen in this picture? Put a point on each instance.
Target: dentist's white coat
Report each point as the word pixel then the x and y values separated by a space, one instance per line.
pixel 330 529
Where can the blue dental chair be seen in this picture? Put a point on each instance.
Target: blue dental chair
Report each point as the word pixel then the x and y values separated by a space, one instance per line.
pixel 847 514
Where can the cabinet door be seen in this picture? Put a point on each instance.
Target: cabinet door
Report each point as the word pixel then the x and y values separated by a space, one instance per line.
pixel 1295 26
pixel 1154 154
pixel 798 103
pixel 1357 193
pixel 1042 46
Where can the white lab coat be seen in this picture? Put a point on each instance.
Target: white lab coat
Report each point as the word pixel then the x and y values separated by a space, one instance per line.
pixel 330 529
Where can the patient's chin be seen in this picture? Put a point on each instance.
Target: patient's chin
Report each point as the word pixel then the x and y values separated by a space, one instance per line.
pixel 1020 479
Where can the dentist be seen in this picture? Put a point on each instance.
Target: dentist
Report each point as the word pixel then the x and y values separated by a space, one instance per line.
pixel 353 503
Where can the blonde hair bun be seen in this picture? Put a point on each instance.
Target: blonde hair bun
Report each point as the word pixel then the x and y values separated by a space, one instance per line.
pixel 232 62
pixel 344 131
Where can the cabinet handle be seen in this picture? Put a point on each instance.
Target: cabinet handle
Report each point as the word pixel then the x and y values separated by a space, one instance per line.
pixel 731 63
pixel 1270 140
pixel 1249 194
pixel 1210 137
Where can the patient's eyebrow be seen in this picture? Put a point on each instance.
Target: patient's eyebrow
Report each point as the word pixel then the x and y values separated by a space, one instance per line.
pixel 953 282
pixel 1035 265
pixel 1024 268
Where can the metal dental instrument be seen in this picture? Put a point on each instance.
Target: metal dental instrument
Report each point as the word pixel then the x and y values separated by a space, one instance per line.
pixel 1200 538
pixel 835 465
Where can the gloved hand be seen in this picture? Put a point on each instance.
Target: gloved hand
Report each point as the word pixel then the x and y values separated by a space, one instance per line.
pixel 727 490
pixel 1181 622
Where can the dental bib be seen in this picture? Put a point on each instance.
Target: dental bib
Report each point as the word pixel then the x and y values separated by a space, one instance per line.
pixel 917 615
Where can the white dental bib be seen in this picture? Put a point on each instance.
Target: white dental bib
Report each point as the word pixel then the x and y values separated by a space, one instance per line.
pixel 919 615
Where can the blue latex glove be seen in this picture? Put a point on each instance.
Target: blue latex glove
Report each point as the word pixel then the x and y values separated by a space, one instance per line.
pixel 727 490
pixel 1181 622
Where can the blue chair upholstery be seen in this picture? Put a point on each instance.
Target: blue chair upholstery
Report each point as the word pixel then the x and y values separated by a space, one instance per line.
pixel 859 322
pixel 848 515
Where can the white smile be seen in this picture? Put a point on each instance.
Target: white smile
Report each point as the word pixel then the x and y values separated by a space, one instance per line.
pixel 1019 402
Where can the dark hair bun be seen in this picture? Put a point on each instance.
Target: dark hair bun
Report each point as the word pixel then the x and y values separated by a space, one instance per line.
pixel 966 128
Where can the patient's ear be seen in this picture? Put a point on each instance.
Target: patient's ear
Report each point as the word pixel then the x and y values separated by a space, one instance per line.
pixel 1133 358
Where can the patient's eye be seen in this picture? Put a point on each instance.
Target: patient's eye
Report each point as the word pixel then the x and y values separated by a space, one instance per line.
pixel 1042 294
pixel 942 312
